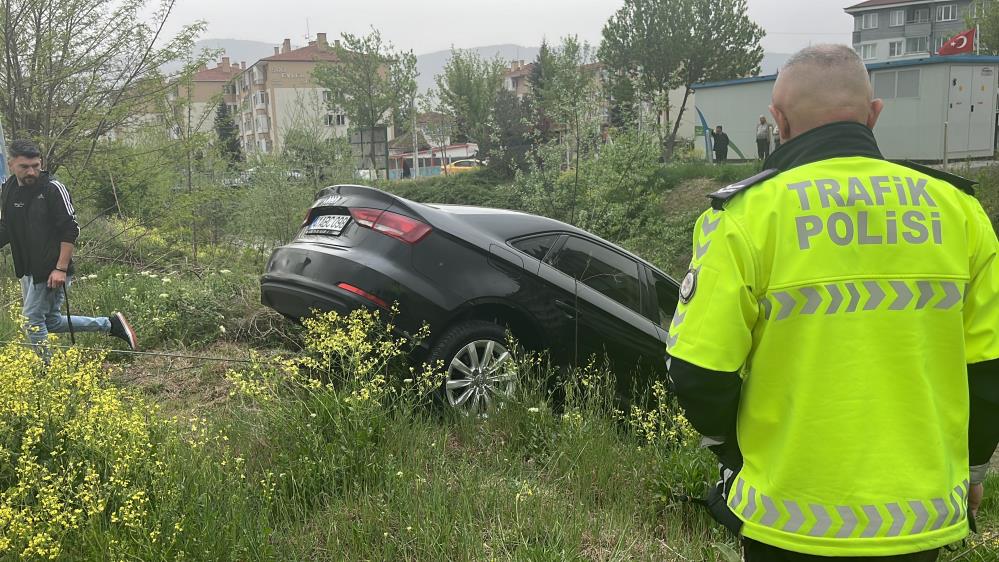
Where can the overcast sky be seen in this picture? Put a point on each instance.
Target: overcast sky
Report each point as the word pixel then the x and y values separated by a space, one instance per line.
pixel 437 25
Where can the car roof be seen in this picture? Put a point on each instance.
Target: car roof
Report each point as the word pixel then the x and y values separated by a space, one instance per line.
pixel 471 222
pixel 505 224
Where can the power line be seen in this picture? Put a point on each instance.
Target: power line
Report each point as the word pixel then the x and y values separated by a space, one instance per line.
pixel 139 353
pixel 806 33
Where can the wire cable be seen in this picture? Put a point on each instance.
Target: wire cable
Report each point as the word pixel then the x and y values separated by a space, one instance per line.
pixel 141 353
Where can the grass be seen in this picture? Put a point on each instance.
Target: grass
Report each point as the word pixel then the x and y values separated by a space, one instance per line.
pixel 303 461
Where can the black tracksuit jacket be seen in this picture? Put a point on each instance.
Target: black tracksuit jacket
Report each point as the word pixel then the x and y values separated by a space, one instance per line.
pixel 51 221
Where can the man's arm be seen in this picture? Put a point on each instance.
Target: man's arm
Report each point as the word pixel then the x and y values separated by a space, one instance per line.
pixel 711 402
pixel 983 428
pixel 710 336
pixel 64 216
pixel 981 336
pixel 64 221
pixel 4 234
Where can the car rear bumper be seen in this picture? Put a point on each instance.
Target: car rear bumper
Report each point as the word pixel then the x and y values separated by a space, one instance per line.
pixel 303 277
pixel 298 298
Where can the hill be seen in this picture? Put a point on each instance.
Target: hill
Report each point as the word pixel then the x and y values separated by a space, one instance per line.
pixel 429 65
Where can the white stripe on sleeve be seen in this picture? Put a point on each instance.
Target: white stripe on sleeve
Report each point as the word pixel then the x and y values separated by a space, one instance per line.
pixel 65 197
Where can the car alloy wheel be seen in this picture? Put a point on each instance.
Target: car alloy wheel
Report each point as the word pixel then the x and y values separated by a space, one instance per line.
pixel 480 375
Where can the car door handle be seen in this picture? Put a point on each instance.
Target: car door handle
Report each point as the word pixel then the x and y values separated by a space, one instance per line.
pixel 567 308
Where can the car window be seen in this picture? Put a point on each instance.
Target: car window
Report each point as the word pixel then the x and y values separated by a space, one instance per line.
pixel 667 298
pixel 536 246
pixel 602 269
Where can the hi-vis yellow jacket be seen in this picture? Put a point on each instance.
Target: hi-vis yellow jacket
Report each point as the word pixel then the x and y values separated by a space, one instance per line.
pixel 851 293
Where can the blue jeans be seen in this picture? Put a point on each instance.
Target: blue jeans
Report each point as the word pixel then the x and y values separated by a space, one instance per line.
pixel 42 309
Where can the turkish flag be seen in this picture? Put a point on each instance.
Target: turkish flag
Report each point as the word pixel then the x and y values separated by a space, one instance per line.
pixel 963 42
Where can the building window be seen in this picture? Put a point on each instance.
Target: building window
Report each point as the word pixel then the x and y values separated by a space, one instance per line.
pixel 917 45
pixel 884 85
pixel 917 15
pixel 896 84
pixel 895 48
pixel 946 13
pixel 327 96
pixel 263 124
pixel 870 21
pixel 335 120
pixel 868 51
pixel 260 98
pixel 228 89
pixel 939 42
pixel 978 9
pixel 907 85
pixel 897 18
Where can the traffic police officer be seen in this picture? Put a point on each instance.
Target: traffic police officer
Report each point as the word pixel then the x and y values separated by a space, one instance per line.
pixel 838 310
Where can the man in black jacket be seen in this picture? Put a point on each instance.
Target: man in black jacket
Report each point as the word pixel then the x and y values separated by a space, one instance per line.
pixel 720 141
pixel 38 220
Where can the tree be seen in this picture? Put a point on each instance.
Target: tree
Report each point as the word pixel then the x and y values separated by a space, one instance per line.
pixel 510 141
pixel 535 100
pixel 438 127
pixel 311 144
pixel 371 81
pixel 621 97
pixel 228 134
pixel 73 71
pixel 987 19
pixel 468 88
pixel 666 44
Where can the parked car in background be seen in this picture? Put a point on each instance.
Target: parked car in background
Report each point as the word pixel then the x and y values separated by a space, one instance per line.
pixel 459 166
pixel 472 274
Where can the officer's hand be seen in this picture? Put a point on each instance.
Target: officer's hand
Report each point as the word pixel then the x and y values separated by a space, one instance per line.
pixel 57 279
pixel 975 495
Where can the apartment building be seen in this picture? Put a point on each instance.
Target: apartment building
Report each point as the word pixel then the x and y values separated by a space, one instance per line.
pixel 516 78
pixel 887 30
pixel 197 101
pixel 278 93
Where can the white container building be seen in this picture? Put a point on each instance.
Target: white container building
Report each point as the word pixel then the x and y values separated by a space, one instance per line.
pixel 923 98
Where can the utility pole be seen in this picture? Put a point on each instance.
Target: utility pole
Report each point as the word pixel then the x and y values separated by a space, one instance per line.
pixel 416 144
pixel 190 181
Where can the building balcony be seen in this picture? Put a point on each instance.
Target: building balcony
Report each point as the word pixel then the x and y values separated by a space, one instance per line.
pixel 917 30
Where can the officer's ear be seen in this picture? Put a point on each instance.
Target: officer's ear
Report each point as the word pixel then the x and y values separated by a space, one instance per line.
pixel 875 110
pixel 781 122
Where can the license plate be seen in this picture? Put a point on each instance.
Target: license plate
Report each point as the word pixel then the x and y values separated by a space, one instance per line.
pixel 329 224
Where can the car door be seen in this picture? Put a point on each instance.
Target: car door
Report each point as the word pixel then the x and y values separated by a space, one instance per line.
pixel 608 303
pixel 545 294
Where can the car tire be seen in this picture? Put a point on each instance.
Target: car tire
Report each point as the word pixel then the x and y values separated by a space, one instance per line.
pixel 474 355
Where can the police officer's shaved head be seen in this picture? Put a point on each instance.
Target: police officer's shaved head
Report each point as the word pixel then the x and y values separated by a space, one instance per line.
pixel 822 84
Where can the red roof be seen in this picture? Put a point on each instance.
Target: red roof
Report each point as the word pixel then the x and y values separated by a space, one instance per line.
pixel 875 4
pixel 306 54
pixel 524 70
pixel 217 74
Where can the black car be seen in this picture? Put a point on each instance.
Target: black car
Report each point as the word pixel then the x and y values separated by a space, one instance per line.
pixel 471 274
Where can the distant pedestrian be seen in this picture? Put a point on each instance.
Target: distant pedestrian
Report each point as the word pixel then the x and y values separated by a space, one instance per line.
pixel 720 141
pixel 776 138
pixel 38 220
pixel 764 131
pixel 406 173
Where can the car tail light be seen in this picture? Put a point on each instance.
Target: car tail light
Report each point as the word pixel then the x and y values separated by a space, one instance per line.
pixel 395 225
pixel 362 293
